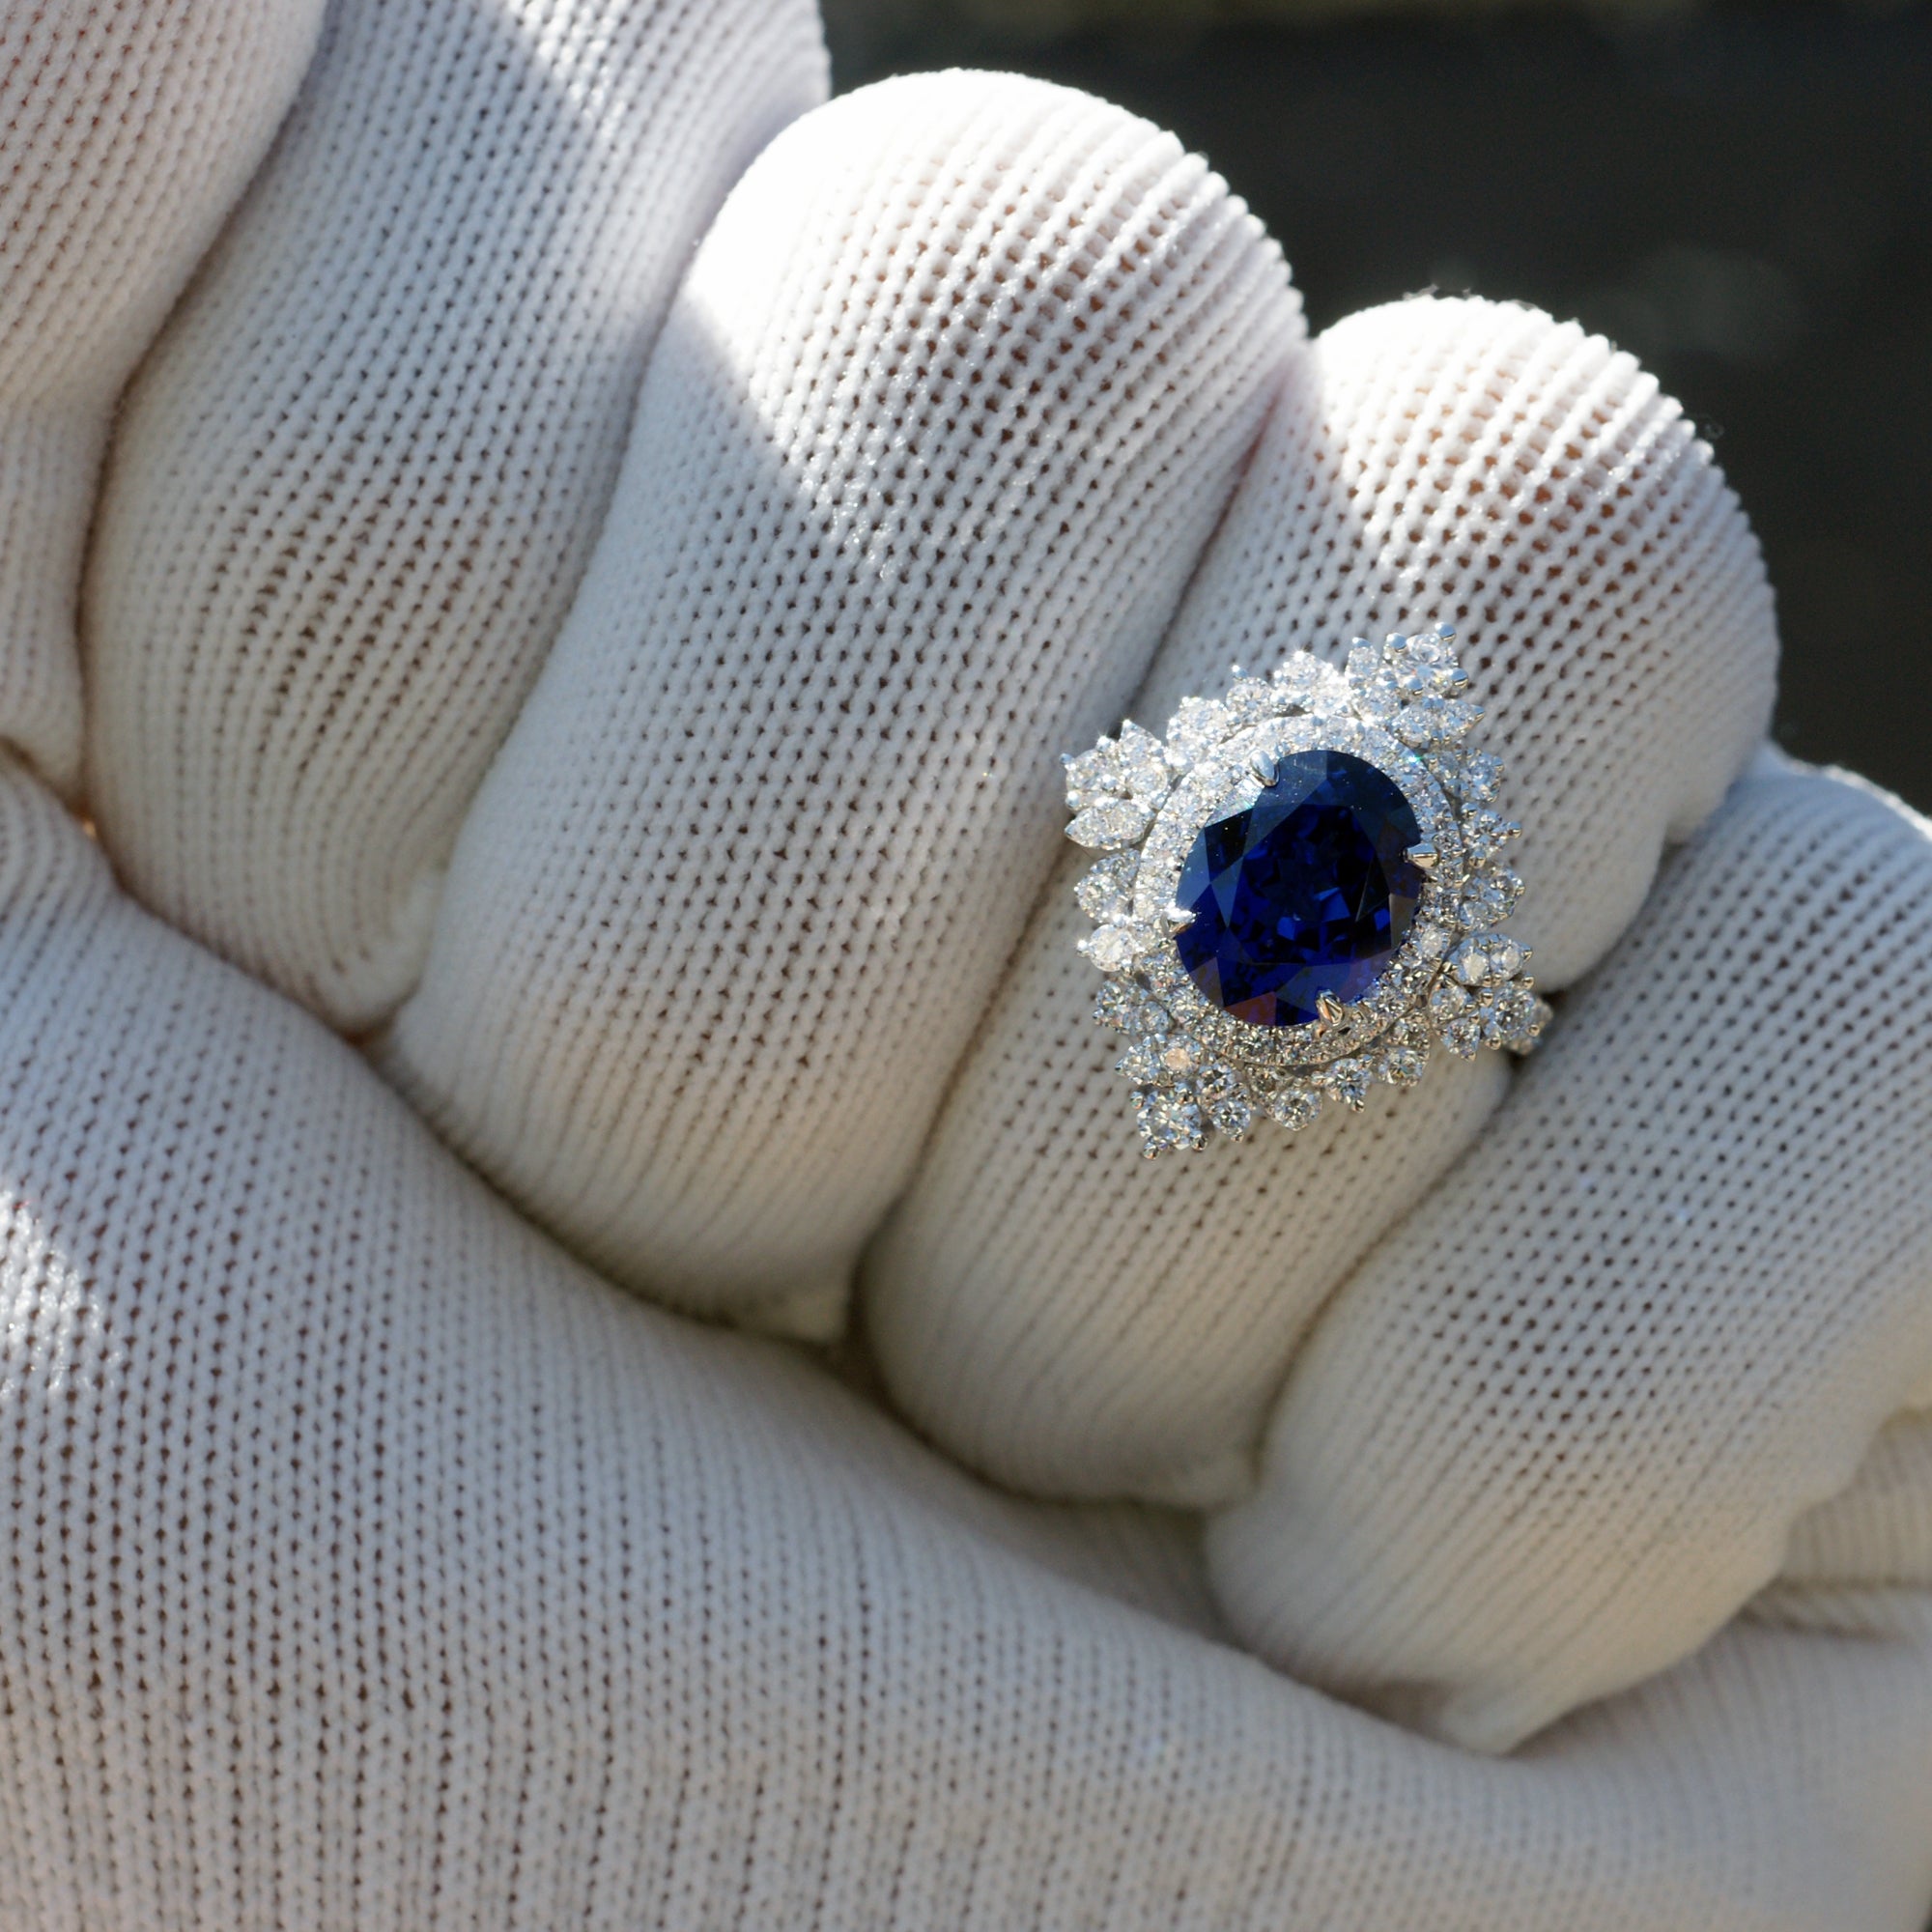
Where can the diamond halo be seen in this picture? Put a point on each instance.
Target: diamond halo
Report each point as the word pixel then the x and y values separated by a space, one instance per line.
pixel 1450 975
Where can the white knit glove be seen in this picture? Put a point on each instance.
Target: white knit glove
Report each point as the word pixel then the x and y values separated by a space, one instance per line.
pixel 603 645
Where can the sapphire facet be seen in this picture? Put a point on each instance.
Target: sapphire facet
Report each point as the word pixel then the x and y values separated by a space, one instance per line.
pixel 1302 890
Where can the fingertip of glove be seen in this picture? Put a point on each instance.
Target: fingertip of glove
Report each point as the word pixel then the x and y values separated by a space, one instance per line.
pixel 1044 130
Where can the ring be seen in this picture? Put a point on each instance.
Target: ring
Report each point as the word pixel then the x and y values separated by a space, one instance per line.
pixel 1302 892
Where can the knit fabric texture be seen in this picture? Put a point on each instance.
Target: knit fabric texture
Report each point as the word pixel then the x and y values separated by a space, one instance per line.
pixel 942 419
pixel 586 592
pixel 369 1563
pixel 326 576
pixel 1629 1311
pixel 1456 460
pixel 127 132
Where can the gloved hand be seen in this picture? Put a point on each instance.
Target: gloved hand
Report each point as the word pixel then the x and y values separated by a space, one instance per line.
pixel 598 636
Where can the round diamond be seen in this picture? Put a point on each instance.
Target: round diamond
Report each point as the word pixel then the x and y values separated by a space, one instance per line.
pixel 1350 1079
pixel 1102 894
pixel 1293 1104
pixel 1515 1017
pixel 1114 948
pixel 1486 832
pixel 1481 774
pixel 1296 677
pixel 1216 1081
pixel 1168 1121
pixel 1249 698
pixel 1198 723
pixel 1302 889
pixel 1178 1056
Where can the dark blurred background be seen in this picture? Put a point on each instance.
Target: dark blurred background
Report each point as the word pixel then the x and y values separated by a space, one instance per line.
pixel 1740 194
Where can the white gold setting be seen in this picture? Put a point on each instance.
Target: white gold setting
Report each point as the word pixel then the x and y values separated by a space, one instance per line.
pixel 1143 801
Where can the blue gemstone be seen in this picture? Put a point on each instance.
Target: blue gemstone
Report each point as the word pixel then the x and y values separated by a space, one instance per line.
pixel 1302 890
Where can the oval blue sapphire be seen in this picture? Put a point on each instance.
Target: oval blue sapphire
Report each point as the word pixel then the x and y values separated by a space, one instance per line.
pixel 1304 890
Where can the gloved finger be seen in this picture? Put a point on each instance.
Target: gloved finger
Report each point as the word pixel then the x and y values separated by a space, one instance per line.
pixel 1078 1321
pixel 940 423
pixel 354 489
pixel 1560 1427
pixel 126 134
pixel 324 1476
